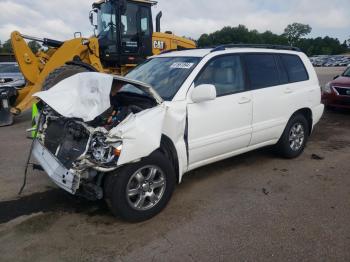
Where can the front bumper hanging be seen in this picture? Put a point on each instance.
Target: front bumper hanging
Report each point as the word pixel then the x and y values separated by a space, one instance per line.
pixel 61 176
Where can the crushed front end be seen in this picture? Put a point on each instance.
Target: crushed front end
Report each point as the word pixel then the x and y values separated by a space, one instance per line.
pixel 81 139
pixel 74 155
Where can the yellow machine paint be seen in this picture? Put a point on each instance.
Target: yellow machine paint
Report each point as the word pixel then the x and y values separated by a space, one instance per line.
pixel 37 67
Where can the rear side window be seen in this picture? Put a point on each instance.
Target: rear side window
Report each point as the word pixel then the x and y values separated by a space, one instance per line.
pixel 262 70
pixel 284 79
pixel 295 68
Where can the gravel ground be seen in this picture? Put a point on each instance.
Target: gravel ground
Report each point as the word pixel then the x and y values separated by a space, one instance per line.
pixel 254 207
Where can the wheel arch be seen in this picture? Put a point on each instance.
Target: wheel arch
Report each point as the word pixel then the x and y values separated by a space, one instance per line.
pixel 168 148
pixel 307 113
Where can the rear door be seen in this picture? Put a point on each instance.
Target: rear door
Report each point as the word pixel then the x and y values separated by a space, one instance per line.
pixel 219 127
pixel 277 83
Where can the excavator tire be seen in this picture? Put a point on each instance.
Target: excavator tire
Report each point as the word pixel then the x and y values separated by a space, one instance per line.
pixel 52 79
pixel 60 74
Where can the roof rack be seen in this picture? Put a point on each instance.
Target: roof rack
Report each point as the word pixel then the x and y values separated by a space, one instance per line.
pixel 279 47
pixel 177 49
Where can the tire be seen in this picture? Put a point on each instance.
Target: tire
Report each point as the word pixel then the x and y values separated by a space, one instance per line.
pixel 125 179
pixel 60 74
pixel 288 148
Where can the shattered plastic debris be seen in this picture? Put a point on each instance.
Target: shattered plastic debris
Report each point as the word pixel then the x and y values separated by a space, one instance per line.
pixel 264 190
pixel 317 157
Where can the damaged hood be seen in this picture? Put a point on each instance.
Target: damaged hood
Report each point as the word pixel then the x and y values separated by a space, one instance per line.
pixel 87 95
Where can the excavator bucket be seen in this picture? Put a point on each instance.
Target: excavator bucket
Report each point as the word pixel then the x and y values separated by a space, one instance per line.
pixel 6 117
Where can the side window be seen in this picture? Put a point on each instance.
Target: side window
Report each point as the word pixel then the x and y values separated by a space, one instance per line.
pixel 282 70
pixel 145 21
pixel 295 68
pixel 128 20
pixel 262 70
pixel 225 73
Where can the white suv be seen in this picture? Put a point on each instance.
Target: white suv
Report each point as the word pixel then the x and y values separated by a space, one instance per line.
pixel 130 140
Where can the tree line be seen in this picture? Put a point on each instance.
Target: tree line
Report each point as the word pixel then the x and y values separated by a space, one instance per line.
pixel 293 35
pixel 6 47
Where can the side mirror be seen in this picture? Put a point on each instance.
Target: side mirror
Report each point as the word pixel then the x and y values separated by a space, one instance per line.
pixel 203 93
pixel 335 77
pixel 91 18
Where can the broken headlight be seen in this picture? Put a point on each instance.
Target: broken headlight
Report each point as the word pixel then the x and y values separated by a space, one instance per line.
pixel 103 152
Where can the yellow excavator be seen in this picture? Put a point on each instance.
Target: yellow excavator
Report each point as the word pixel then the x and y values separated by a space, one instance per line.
pixel 124 37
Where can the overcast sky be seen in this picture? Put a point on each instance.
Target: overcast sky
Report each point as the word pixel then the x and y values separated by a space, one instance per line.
pixel 59 19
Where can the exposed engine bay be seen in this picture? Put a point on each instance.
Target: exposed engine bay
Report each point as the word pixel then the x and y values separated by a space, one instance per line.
pixel 122 105
pixel 77 153
pixel 68 139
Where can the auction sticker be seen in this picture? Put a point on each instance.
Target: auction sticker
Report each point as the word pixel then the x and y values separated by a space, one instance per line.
pixel 182 65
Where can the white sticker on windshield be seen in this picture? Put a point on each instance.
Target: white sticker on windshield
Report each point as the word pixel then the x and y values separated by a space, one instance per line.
pixel 182 65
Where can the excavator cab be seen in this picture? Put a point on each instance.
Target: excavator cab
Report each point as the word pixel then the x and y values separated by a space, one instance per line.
pixel 124 37
pixel 124 30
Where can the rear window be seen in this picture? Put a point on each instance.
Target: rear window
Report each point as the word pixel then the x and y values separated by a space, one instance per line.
pixel 295 68
pixel 262 70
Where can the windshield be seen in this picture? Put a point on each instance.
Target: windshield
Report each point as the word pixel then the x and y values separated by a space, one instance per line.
pixel 164 74
pixel 9 68
pixel 347 72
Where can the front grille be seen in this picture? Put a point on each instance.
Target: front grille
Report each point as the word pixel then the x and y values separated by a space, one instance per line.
pixel 67 140
pixel 343 91
pixel 5 80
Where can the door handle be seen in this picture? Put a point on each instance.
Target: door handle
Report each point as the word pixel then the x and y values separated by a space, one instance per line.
pixel 244 100
pixel 288 90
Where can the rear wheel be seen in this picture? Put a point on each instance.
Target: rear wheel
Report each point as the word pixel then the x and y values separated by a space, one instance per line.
pixel 139 191
pixel 294 137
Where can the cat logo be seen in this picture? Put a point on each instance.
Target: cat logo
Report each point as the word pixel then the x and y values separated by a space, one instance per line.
pixel 157 44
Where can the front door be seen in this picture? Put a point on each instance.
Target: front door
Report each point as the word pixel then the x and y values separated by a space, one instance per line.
pixel 219 127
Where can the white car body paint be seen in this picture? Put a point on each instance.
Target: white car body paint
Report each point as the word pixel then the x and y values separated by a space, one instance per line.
pixel 140 133
pixel 174 128
pixel 84 95
pixel 217 129
pixel 260 120
pixel 87 95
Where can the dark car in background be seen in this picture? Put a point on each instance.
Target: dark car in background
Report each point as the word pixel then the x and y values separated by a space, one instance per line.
pixel 11 76
pixel 11 80
pixel 337 92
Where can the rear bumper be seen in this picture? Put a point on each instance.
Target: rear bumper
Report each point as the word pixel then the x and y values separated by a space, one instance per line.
pixel 317 113
pixel 61 176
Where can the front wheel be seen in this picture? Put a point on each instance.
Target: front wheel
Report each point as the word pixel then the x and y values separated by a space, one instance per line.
pixel 139 191
pixel 293 140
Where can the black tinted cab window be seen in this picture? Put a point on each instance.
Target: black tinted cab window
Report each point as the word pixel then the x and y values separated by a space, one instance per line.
pixel 225 73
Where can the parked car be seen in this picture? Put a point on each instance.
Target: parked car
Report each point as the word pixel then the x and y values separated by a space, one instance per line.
pixel 330 60
pixel 176 112
pixel 11 79
pixel 11 76
pixel 337 92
